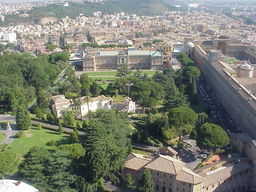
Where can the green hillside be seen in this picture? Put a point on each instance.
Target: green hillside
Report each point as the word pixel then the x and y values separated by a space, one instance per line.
pixel 139 7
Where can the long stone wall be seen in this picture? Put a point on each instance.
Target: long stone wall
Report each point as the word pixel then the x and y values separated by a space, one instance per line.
pixel 237 102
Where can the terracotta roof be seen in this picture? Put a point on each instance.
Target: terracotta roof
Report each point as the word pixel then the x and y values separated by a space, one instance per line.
pixel 136 161
pixel 188 176
pixel 224 172
pixel 166 164
pixel 171 150
pixel 99 98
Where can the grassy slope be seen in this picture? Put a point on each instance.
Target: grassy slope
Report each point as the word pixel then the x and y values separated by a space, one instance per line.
pixel 2 136
pixel 34 138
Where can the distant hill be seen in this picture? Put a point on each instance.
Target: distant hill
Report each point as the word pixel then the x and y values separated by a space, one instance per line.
pixel 139 7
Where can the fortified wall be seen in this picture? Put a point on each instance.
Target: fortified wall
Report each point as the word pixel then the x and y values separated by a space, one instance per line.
pixel 234 82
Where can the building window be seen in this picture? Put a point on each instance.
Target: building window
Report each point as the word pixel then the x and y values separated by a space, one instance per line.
pixel 157 173
pixel 157 187
pixel 164 175
pixel 170 190
pixel 163 189
pixel 189 185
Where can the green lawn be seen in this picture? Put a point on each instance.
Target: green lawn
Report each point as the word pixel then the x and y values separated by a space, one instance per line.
pixel 140 152
pixel 113 73
pixel 101 73
pixel 2 136
pixel 34 138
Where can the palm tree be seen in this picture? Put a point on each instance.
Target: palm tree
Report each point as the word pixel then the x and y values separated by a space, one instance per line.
pixel 87 99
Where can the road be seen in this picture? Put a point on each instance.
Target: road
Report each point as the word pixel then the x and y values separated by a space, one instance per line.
pixel 216 110
pixel 55 127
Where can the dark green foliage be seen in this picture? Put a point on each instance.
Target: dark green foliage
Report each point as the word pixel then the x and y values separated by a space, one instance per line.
pixel 75 150
pixel 146 183
pixel 187 77
pixel 106 144
pixel 95 89
pixel 74 136
pixel 129 182
pixel 69 118
pixel 96 151
pixel 49 171
pixel 9 162
pixel 70 85
pixel 60 128
pixel 212 136
pixel 120 86
pixel 185 60
pixel 182 115
pixel 172 95
pixel 147 93
pixel 123 71
pixel 22 76
pixel 22 118
pixel 157 125
pixel 86 83
pixel 183 119
pixel 50 117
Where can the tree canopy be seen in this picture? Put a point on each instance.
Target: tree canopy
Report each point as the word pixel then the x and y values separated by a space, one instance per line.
pixel 22 76
pixel 212 136
pixel 146 183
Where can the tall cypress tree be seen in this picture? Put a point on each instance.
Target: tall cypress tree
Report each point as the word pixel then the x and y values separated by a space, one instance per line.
pixel 22 118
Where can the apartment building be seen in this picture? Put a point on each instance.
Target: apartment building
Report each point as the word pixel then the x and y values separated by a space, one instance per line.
pixel 171 175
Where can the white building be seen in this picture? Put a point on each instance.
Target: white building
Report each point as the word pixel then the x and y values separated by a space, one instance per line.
pixel 10 37
pixel 8 185
pixel 60 104
pixel 82 105
pixel 130 106
pixel 100 102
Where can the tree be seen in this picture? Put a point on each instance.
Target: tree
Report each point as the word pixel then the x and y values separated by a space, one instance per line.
pixel 147 93
pixel 212 136
pixel 95 89
pixel 97 162
pixel 50 117
pixel 146 183
pixel 86 83
pixel 129 182
pixel 60 128
pixel 74 136
pixel 107 145
pixel 202 117
pixel 123 71
pixel 75 150
pixel 69 118
pixel 22 118
pixel 183 118
pixel 48 170
pixel 32 168
pixel 39 126
pixel 9 163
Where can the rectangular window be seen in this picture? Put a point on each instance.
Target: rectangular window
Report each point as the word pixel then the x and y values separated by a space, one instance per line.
pixel 157 187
